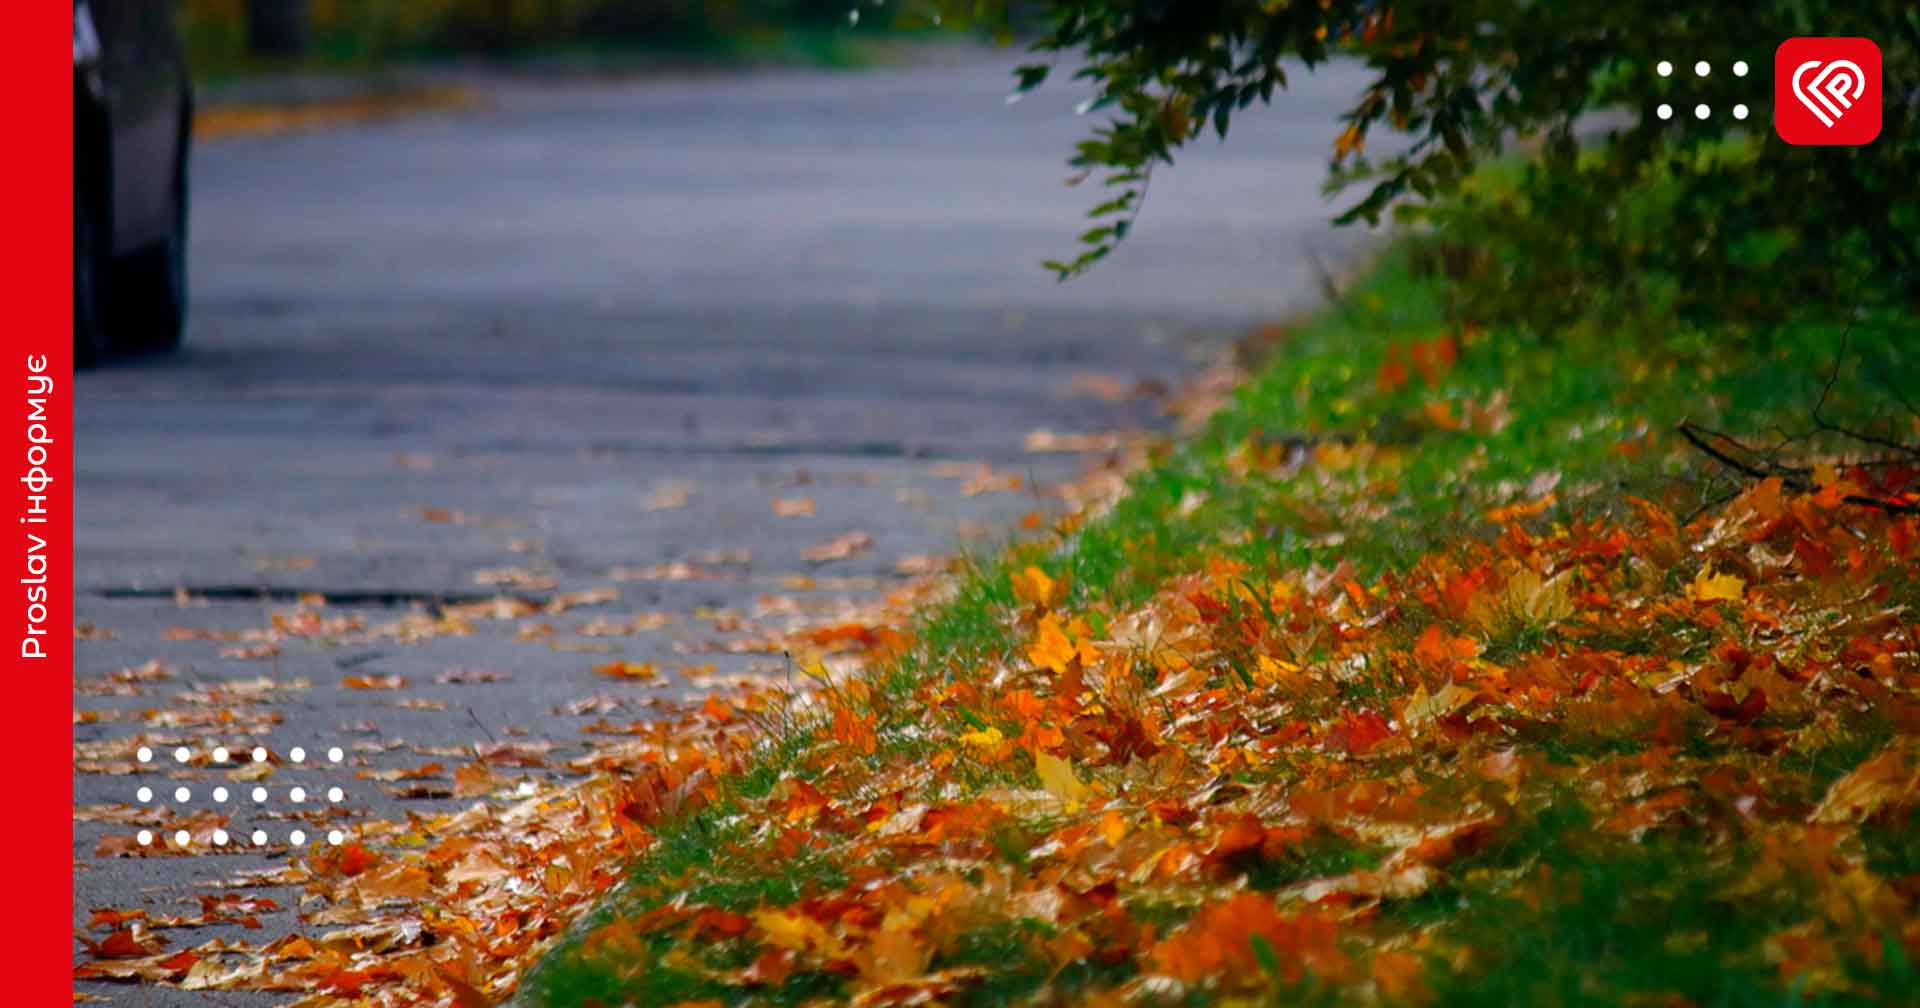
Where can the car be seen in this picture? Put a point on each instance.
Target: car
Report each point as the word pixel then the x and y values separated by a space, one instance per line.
pixel 132 131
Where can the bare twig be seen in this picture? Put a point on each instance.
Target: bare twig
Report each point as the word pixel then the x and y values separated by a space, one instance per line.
pixel 1827 425
pixel 1790 477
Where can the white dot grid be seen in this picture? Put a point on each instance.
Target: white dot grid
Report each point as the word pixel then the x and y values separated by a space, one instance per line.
pixel 1701 68
pixel 183 839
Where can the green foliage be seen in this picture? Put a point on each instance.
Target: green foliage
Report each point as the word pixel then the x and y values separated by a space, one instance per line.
pixel 1468 80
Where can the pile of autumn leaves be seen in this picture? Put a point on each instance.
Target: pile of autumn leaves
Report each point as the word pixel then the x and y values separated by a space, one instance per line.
pixel 1234 787
pixel 442 909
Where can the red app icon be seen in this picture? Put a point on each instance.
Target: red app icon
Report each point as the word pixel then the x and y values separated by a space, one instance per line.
pixel 1826 91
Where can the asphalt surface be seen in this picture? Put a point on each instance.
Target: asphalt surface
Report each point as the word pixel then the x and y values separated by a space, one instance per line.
pixel 431 353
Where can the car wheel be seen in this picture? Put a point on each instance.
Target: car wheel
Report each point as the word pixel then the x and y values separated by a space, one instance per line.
pixel 154 298
pixel 90 342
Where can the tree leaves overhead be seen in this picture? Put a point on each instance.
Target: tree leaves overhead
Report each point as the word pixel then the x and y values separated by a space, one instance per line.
pixel 1461 81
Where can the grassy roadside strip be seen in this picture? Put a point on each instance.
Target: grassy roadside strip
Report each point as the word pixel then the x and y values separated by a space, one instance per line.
pixel 1437 668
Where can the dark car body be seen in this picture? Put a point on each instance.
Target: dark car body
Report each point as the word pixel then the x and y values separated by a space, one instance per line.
pixel 132 123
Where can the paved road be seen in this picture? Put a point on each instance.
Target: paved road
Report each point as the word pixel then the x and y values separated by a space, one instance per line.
pixel 429 352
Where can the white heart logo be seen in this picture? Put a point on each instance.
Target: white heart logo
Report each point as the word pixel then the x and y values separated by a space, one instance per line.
pixel 1832 91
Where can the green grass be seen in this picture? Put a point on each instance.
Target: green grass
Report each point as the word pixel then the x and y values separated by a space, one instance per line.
pixel 1630 919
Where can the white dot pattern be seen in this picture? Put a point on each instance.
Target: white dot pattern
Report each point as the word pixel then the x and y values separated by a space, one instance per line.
pixel 1702 69
pixel 182 840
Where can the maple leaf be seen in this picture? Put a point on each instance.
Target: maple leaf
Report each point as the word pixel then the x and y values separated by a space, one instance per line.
pixel 129 942
pixel 1888 778
pixel 475 780
pixel 1359 731
pixel 797 932
pixel 1052 649
pixel 1710 587
pixel 1057 776
pixel 1271 671
pixel 1233 938
pixel 854 731
pixel 1436 647
pixel 1422 707
pixel 1032 586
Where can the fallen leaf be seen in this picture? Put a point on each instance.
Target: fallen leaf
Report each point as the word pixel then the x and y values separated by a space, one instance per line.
pixel 633 671
pixel 793 507
pixel 387 682
pixel 1057 776
pixel 839 548
pixel 1710 587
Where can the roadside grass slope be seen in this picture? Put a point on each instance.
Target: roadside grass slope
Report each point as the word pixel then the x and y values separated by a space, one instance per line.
pixel 1446 665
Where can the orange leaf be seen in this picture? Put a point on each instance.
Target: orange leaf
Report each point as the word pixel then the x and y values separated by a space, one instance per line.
pixel 637 671
pixel 1222 939
pixel 389 682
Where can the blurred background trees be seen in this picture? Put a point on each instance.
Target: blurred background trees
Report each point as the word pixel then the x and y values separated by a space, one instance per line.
pixel 1603 207
pixel 227 35
pixel 277 28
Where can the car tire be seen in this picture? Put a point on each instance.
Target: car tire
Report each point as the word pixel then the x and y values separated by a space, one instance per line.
pixel 154 294
pixel 91 344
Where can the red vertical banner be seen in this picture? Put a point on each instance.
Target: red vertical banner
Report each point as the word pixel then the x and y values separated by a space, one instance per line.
pixel 36 373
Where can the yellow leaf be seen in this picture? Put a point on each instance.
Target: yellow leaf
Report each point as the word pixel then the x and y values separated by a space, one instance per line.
pixel 1052 649
pixel 1057 776
pixel 1422 707
pixel 1033 587
pixel 798 932
pixel 1274 670
pixel 1710 587
pixel 988 739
